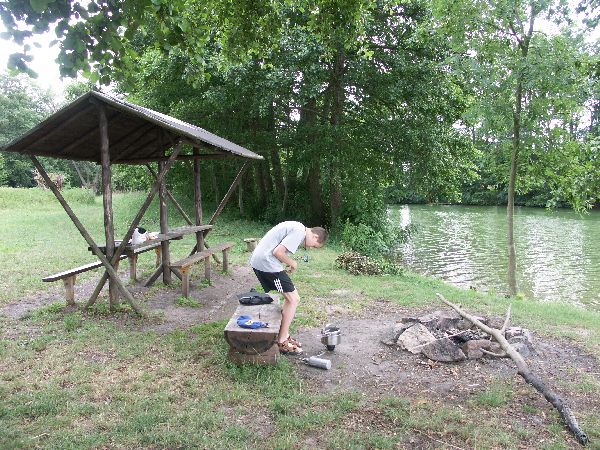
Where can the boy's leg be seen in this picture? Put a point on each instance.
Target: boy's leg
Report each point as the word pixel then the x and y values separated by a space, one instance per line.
pixel 288 311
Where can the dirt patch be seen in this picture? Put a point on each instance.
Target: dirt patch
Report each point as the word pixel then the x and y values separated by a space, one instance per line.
pixel 216 301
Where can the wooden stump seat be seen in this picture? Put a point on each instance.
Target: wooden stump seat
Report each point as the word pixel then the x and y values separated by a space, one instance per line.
pixel 258 346
pixel 186 264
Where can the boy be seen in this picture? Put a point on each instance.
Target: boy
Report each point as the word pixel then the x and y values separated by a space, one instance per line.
pixel 271 252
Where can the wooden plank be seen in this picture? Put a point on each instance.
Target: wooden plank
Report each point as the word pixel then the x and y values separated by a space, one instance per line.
pixel 105 262
pixel 75 271
pixel 86 136
pixel 196 257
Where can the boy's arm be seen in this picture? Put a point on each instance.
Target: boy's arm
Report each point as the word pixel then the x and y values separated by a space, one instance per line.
pixel 280 253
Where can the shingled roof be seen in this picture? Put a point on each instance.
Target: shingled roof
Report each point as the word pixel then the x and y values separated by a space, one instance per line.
pixel 136 134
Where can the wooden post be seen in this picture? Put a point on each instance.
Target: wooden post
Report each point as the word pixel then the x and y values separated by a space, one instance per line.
pixel 185 281
pixel 164 227
pixel 101 256
pixel 225 260
pixel 109 231
pixel 133 267
pixel 207 268
pixel 219 209
pixel 69 283
pixel 198 202
pixel 135 222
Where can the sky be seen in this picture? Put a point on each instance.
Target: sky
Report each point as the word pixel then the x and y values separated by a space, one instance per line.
pixel 49 77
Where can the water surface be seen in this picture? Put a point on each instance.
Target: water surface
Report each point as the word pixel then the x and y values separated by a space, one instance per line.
pixel 558 252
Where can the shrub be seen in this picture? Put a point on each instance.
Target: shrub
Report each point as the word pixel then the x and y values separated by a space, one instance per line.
pixel 358 264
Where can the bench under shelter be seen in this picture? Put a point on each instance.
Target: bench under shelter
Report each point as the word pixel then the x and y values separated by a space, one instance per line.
pixel 107 130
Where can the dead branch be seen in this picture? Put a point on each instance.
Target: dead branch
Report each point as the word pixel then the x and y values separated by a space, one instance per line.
pixel 523 369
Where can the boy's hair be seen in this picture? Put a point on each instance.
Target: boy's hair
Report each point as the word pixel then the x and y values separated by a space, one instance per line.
pixel 321 233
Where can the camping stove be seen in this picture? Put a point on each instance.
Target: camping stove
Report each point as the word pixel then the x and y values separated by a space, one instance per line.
pixel 331 336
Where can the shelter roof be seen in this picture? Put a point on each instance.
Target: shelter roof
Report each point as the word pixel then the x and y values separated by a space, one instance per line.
pixel 136 134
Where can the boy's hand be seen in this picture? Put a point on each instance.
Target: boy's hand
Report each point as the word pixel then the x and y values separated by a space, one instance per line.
pixel 292 266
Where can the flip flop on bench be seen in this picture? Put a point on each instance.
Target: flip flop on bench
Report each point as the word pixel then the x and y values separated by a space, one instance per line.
pixel 287 347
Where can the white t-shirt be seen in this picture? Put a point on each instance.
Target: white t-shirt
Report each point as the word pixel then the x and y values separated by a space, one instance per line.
pixel 290 234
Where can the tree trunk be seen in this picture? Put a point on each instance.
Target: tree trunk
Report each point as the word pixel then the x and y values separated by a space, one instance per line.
pixel 337 111
pixel 523 45
pixel 215 184
pixel 510 207
pixel 275 159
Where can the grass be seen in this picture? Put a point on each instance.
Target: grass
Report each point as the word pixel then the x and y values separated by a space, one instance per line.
pixel 73 380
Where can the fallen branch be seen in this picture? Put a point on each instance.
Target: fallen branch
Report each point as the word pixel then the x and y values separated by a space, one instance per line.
pixel 523 369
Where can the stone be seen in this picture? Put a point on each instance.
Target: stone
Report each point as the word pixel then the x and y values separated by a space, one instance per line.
pixel 390 338
pixel 496 322
pixel 472 349
pixel 522 348
pixel 522 333
pixel 443 350
pixel 448 320
pixel 415 337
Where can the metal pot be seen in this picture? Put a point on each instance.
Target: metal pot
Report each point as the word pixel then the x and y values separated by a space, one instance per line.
pixel 331 336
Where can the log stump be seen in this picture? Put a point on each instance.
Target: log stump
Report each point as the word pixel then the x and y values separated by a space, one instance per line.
pixel 258 346
pixel 251 243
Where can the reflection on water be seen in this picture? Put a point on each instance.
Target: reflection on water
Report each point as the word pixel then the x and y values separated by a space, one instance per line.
pixel 558 252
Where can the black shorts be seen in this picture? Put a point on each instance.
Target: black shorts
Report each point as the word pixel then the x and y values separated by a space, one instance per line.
pixel 275 281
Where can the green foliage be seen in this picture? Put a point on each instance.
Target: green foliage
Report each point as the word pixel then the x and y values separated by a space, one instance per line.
pixel 369 241
pixel 188 302
pixel 358 264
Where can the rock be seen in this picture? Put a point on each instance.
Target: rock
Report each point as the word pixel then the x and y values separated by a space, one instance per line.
pixel 447 320
pixel 472 349
pixel 522 333
pixel 496 322
pixel 522 348
pixel 390 338
pixel 415 336
pixel 443 350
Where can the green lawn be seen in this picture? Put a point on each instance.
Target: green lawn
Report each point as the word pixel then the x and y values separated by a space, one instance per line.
pixel 90 380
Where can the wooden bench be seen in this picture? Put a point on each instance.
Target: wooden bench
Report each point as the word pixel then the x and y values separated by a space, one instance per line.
pixel 131 254
pixel 186 264
pixel 258 346
pixel 69 276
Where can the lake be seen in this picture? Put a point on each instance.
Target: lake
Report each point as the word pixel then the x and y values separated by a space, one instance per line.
pixel 558 252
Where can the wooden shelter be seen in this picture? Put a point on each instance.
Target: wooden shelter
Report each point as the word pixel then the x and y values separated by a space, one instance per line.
pixel 106 130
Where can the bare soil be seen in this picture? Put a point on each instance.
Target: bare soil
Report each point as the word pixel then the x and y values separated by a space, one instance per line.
pixel 361 362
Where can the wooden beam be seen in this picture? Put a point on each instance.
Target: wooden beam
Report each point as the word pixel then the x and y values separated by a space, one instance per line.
pixel 137 145
pixel 228 194
pixel 133 136
pixel 136 221
pixel 105 262
pixel 164 228
pixel 234 184
pixel 85 137
pixel 198 202
pixel 65 124
pixel 109 230
pixel 179 158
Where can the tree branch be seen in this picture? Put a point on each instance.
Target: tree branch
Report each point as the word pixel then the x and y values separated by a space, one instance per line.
pixel 523 370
